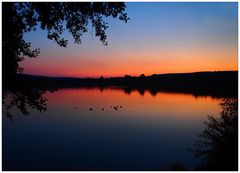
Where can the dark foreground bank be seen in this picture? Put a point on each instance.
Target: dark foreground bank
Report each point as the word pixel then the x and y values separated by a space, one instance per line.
pixel 215 84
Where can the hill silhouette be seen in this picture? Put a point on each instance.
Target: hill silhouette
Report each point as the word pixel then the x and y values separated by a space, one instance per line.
pixel 216 84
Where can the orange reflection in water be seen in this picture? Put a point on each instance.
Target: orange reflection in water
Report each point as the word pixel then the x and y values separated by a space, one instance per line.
pixel 134 104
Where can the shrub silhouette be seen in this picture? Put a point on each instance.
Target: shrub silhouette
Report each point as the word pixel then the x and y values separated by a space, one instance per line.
pixel 218 143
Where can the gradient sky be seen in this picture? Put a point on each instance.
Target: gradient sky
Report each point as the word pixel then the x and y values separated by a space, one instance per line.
pixel 158 38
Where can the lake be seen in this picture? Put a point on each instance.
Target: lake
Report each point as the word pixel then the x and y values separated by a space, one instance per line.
pixel 142 132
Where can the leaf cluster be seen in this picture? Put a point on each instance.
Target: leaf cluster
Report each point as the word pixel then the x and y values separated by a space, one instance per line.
pixel 55 18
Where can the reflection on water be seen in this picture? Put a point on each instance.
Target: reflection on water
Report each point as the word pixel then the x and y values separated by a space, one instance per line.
pixel 147 133
pixel 23 96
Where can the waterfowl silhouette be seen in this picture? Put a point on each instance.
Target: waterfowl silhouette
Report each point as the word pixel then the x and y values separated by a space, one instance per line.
pixel 90 109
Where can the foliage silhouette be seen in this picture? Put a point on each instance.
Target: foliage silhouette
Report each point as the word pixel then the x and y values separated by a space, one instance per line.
pixel 24 96
pixel 218 143
pixel 55 17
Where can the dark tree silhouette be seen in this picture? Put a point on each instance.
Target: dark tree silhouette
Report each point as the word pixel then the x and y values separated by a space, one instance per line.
pixel 127 76
pixel 55 17
pixel 142 76
pixel 218 143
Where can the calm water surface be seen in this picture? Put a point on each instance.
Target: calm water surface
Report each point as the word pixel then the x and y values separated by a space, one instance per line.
pixel 147 133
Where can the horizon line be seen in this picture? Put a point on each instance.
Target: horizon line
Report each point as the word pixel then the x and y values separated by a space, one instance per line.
pixel 127 74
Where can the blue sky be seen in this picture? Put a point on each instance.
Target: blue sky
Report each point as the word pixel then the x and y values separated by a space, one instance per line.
pixel 181 37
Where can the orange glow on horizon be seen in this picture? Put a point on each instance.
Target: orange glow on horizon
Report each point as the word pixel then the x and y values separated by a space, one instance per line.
pixel 134 66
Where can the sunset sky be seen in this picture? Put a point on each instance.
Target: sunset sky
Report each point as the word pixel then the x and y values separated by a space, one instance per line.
pixel 158 38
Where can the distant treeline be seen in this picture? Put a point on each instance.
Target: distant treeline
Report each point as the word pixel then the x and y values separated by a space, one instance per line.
pixel 215 84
